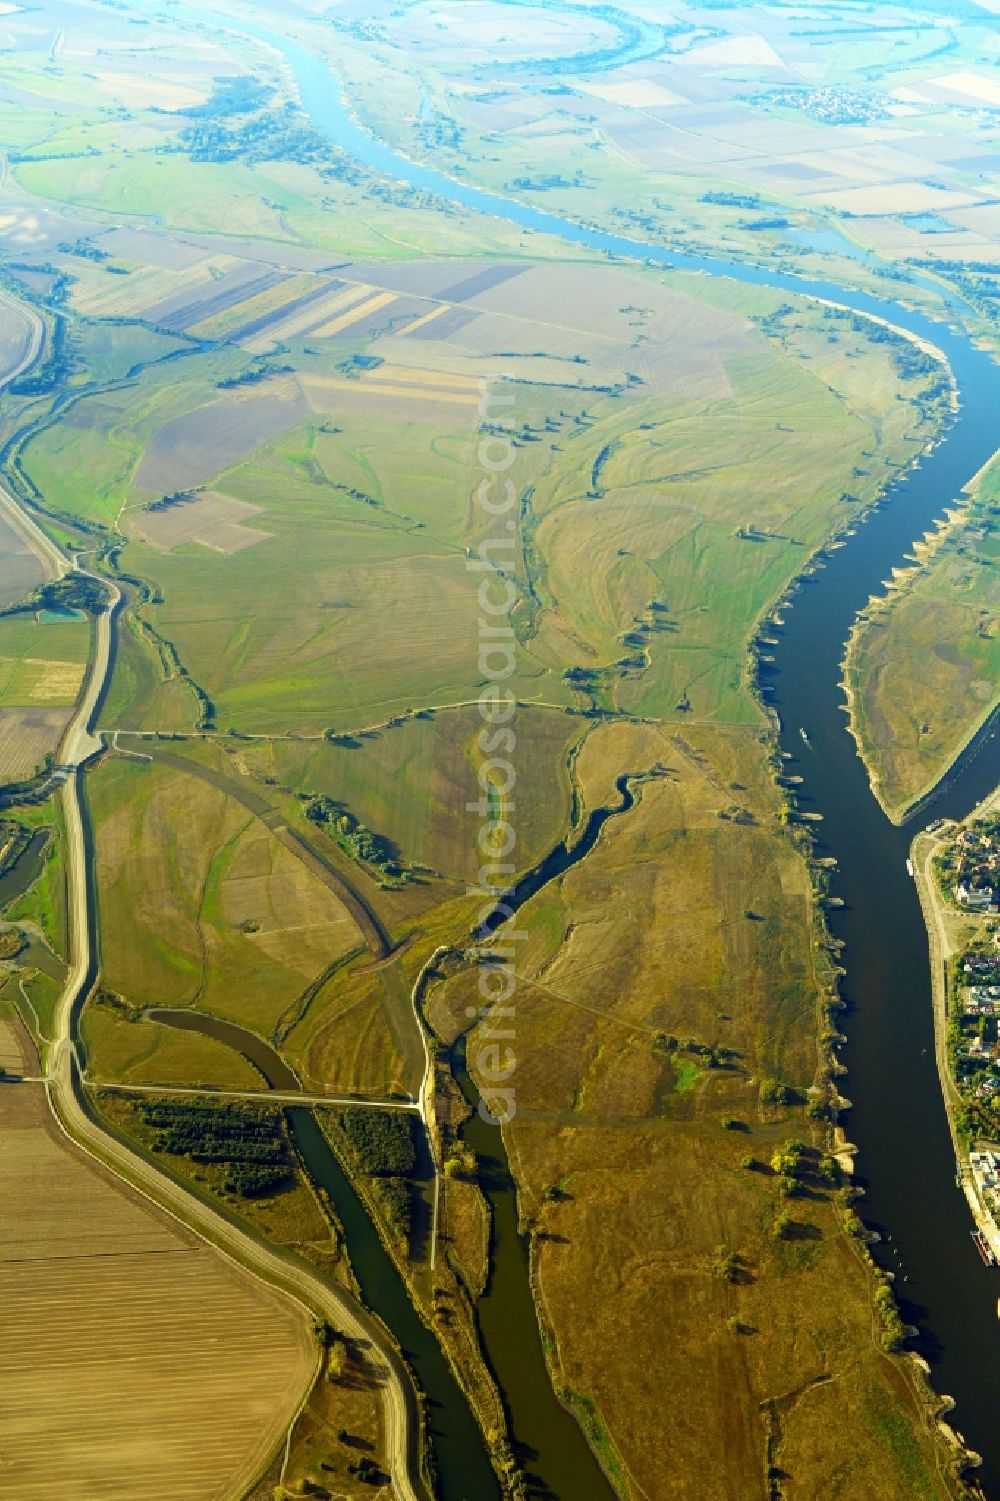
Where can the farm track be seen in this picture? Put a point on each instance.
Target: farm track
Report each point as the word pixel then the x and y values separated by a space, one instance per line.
pixel 262 1096
pixel 64 1091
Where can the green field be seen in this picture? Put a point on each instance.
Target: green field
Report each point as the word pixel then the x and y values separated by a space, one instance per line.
pixel 412 783
pixel 720 503
pixel 41 664
pixel 924 665
pixel 222 916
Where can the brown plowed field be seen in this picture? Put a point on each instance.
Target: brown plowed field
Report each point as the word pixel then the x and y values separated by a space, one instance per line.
pixel 136 1362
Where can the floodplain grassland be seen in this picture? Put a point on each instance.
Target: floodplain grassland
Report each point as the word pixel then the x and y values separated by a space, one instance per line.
pixel 663 981
pixel 44 903
pixel 240 921
pixel 146 689
pixel 724 965
pixel 340 1422
pixel 200 906
pixel 119 1047
pixel 85 463
pixel 680 449
pixel 362 627
pixel 227 917
pixel 384 497
pixel 719 506
pixel 316 201
pixel 411 782
pixel 923 664
pixel 32 995
pixel 169 1368
pixel 277 202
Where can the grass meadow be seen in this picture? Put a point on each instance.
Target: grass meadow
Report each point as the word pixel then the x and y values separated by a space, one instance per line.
pixel 924 665
pixel 685 926
pixel 200 906
pixel 702 511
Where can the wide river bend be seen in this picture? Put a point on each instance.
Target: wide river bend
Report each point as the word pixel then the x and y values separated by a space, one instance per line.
pixel 906 1162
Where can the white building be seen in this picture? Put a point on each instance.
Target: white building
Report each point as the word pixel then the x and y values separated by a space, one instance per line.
pixel 979 897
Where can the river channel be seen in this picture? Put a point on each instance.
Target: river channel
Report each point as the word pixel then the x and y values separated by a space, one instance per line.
pixel 464 1470
pixel 906 1162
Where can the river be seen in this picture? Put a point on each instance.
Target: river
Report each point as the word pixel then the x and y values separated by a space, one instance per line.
pixel 459 1455
pixel 906 1163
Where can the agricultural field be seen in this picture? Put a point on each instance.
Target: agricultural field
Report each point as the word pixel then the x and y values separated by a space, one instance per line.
pixel 367 441
pixel 846 144
pixel 924 662
pixel 274 382
pixel 20 570
pixel 41 669
pixel 27 736
pixel 215 521
pixel 41 663
pixel 112 1309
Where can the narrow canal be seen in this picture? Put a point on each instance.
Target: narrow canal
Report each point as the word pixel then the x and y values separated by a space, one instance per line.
pixel 464 1470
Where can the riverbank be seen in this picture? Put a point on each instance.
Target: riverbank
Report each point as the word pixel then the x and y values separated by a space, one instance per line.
pixel 949 930
pixel 886 649
pixel 925 847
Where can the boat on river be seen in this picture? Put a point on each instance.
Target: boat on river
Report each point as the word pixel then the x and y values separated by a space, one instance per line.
pixel 984 1248
pixel 805 736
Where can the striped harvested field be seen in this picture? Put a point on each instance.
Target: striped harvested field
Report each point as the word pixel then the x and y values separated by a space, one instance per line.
pixel 163 290
pixel 315 385
pixel 264 303
pixel 428 405
pixel 25 737
pixel 417 375
pixel 137 1363
pixel 303 319
pixel 354 315
pixel 319 315
pixel 435 312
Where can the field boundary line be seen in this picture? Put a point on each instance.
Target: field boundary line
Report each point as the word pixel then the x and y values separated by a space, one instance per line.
pixel 267 1096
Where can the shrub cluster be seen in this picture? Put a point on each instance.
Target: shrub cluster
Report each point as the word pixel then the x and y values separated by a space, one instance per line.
pixel 383 1146
pixel 248 1142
